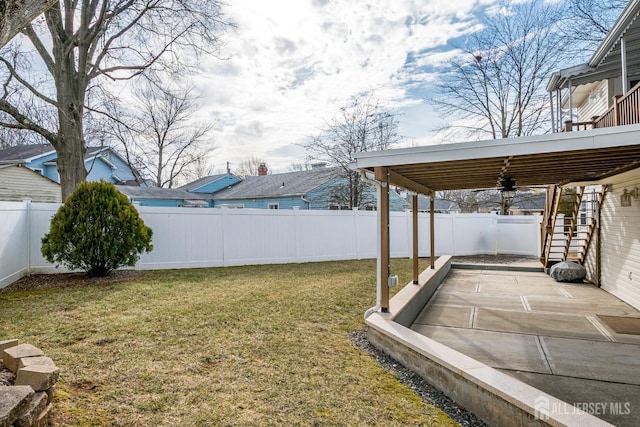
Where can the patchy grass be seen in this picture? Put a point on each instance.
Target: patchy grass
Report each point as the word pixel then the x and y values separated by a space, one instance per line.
pixel 257 345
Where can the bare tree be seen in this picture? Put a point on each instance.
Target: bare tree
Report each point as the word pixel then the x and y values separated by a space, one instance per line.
pixel 496 88
pixel 15 14
pixel 249 167
pixel 301 166
pixel 587 22
pixel 362 125
pixel 470 201
pixel 84 44
pixel 158 136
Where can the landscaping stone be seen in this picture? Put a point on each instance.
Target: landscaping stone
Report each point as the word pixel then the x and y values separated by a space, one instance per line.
pixel 39 377
pixel 568 271
pixel 37 360
pixel 51 392
pixel 7 343
pixel 33 411
pixel 13 400
pixel 43 419
pixel 11 356
pixel 20 405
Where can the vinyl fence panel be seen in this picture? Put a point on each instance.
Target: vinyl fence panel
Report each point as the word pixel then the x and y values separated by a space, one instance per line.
pixel 190 238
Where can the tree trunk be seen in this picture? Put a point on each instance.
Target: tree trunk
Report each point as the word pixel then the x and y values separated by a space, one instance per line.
pixel 71 87
pixel 16 14
pixel 70 145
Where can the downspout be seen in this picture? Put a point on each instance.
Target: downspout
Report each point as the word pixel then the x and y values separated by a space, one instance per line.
pixel 378 185
pixel 307 202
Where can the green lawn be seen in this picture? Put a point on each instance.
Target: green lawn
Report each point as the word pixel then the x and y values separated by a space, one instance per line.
pixel 257 345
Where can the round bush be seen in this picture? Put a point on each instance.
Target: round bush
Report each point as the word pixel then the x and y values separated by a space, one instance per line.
pixel 97 230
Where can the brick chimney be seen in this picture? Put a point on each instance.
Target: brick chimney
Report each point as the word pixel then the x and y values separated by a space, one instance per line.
pixel 262 169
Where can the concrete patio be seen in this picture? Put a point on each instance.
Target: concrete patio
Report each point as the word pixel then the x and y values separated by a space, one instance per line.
pixel 544 333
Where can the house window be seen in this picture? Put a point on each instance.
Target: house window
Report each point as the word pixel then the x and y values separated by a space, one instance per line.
pixel 274 206
pixel 231 206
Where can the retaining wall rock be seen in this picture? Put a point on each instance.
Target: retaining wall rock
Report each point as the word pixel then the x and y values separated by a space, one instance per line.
pixel 27 402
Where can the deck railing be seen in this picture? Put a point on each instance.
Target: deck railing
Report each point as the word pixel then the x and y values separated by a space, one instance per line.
pixel 624 111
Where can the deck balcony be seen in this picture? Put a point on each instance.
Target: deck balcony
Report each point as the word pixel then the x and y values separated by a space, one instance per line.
pixel 624 111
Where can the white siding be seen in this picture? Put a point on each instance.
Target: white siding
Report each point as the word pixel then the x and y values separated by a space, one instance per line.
pixel 587 109
pixel 620 247
pixel 18 183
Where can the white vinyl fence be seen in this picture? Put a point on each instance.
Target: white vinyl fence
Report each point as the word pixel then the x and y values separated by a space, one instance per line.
pixel 189 238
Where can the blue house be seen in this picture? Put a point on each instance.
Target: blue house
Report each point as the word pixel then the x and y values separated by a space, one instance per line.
pixel 211 184
pixel 319 188
pixel 166 197
pixel 100 162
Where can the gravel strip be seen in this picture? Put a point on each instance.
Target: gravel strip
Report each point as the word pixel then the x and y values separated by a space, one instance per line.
pixel 415 382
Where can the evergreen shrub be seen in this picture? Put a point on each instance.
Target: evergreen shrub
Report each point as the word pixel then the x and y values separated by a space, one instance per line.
pixel 97 230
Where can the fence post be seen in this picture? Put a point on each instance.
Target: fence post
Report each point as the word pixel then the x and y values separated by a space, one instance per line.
pixel 27 203
pixel 225 212
pixel 356 230
pixel 296 223
pixel 453 234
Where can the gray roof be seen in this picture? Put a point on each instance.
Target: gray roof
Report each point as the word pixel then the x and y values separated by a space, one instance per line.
pixel 279 185
pixel 529 201
pixel 201 182
pixel 424 204
pixel 158 193
pixel 20 153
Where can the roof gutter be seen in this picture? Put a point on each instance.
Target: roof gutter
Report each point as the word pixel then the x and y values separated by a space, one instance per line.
pixel 628 15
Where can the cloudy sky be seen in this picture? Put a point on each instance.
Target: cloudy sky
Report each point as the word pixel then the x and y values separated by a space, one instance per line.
pixel 293 64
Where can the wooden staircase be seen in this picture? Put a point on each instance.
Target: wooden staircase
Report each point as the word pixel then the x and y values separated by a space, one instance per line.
pixel 570 222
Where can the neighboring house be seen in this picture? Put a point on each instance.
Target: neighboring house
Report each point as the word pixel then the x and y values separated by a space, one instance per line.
pixel 440 205
pixel 100 162
pixel 211 184
pixel 528 204
pixel 165 197
pixel 18 183
pixel 311 189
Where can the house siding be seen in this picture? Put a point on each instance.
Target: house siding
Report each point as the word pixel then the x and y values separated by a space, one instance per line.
pixel 100 169
pixel 18 183
pixel 49 171
pixel 263 203
pixel 321 197
pixel 620 247
pixel 587 110
pixel 158 203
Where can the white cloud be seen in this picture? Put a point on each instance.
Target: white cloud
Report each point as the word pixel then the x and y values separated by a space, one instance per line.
pixel 294 63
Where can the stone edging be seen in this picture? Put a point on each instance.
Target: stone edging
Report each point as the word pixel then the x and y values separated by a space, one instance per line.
pixel 27 402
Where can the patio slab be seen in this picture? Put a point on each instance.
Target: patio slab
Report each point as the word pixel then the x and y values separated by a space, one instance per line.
pixel 544 333
pixel 622 398
pixel 517 351
pixel 548 324
pixel 468 299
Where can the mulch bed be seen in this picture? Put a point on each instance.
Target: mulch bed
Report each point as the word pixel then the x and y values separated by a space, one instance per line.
pixel 68 280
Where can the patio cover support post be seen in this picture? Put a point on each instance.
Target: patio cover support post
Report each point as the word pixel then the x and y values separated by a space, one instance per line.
pixel 415 239
pixel 384 256
pixel 553 116
pixel 432 209
pixel 623 64
pixel 559 108
pixel 571 101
